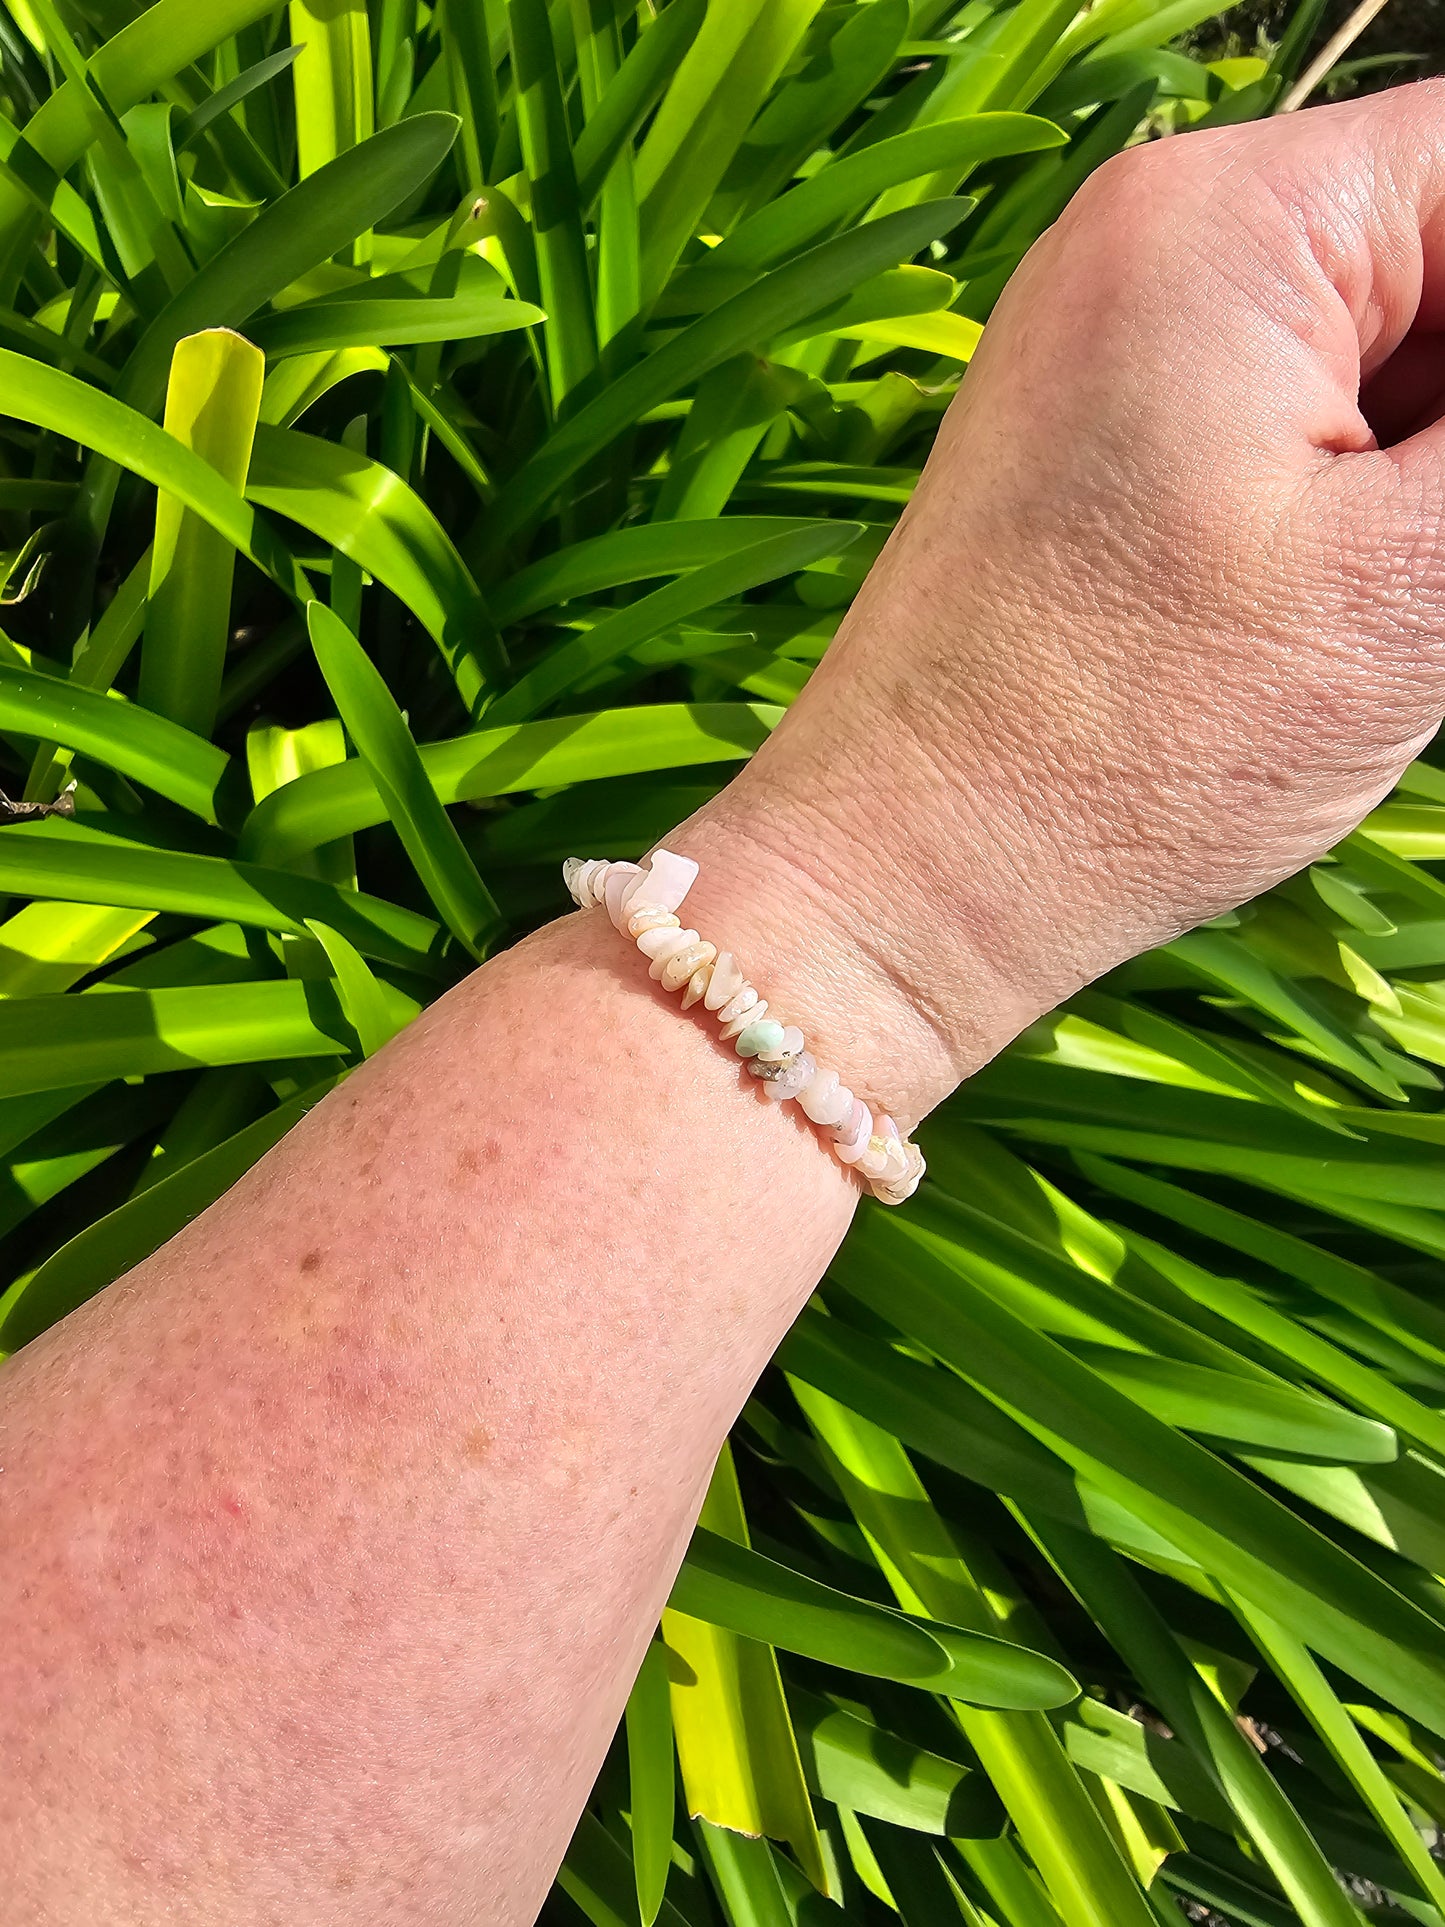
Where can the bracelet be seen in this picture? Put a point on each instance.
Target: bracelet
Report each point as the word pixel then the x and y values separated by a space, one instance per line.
pixel 644 902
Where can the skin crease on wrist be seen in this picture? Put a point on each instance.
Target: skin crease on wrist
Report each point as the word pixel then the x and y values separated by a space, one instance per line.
pixel 336 1529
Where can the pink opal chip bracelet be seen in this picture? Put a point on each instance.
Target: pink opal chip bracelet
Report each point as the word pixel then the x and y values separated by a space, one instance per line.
pixel 644 903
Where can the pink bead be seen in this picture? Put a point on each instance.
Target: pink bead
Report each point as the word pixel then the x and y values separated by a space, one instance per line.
pixel 851 1137
pixel 669 878
pixel 620 879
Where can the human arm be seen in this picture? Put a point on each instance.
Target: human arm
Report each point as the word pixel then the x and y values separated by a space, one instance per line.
pixel 336 1529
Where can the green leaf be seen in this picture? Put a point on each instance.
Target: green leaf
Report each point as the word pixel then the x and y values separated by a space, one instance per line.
pixel 377 727
pixel 1236 1531
pixel 781 299
pixel 332 79
pixel 47 1043
pixel 632 93
pixel 632 555
pixel 562 269
pixel 739 52
pixel 371 1013
pixel 728 1585
pixel 177 764
pixel 56 859
pixel 650 1769
pixel 369 514
pixel 840 191
pixel 315 326
pixel 316 219
pixel 329 803
pixel 566 665
pixel 211 407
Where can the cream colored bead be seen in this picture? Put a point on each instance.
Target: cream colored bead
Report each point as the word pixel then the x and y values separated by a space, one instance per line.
pixel 679 967
pixel 727 980
pixel 664 941
pixel 744 1017
pixel 742 999
pixel 816 1095
pixel 895 1163
pixel 651 916
pixel 584 877
pixel 874 1161
pixel 697 985
pixel 792 1042
pixel 678 942
pixel 900 1190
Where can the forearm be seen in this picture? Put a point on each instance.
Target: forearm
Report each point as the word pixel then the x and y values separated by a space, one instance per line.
pixel 337 1529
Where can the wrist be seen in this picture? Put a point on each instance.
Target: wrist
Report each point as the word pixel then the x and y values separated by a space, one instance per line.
pixel 846 940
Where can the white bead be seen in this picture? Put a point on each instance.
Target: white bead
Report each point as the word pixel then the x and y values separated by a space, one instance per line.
pixel 744 1017
pixel 649 916
pixel 678 968
pixel 661 942
pixel 581 875
pixel 792 1042
pixel 619 881
pixel 744 998
pixel 697 985
pixel 669 878
pixel 727 980
pixel 817 1095
pixel 676 941
pixel 835 1108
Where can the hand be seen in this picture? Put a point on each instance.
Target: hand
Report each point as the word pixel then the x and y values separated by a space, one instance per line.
pixel 1165 617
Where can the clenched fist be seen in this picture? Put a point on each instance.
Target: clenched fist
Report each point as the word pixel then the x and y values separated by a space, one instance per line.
pixel 1166 615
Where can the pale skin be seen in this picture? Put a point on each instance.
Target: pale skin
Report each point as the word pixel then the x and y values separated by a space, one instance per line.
pixel 335 1531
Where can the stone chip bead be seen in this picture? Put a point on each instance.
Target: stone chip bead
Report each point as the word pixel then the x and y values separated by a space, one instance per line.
pixel 787 1079
pixel 753 1007
pixel 643 899
pixel 666 880
pixel 650 916
pixel 790 1043
pixel 902 1189
pixel 679 967
pixel 620 879
pixel 743 999
pixel 817 1094
pixel 697 985
pixel 670 944
pixel 760 1035
pixel 726 981
pixel 850 1138
pixel 661 941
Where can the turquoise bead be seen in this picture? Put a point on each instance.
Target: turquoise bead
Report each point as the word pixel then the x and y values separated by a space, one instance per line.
pixel 763 1035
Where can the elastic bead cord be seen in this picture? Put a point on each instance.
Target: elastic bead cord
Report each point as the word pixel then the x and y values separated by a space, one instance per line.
pixel 643 903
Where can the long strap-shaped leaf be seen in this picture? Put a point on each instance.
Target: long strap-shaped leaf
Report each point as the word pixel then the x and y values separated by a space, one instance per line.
pixel 1239 1533
pixel 72 409
pixel 367 512
pixel 329 803
pixel 125 70
pixel 729 1585
pixel 55 859
pixel 171 760
pixel 47 1043
pixel 765 561
pixel 377 727
pixel 305 227
pixel 780 300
